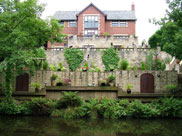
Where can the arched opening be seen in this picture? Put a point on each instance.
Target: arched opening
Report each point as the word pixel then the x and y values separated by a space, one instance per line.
pixel 22 82
pixel 147 83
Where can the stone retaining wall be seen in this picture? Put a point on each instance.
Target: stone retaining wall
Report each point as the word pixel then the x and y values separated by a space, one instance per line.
pixel 134 56
pixel 161 78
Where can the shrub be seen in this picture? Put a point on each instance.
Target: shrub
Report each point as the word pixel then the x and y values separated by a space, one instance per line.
pixel 143 66
pixel 149 60
pixel 159 65
pixel 38 106
pixel 61 67
pixel 97 69
pixel 53 68
pixel 124 64
pixel 171 87
pixel 170 107
pixel 45 65
pixel 110 57
pixel 74 57
pixel 10 107
pixel 111 78
pixel 53 77
pixel 107 108
pixel 36 85
pixel 129 86
pixel 68 99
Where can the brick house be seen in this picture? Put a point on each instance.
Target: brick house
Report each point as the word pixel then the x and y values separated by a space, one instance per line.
pixel 93 27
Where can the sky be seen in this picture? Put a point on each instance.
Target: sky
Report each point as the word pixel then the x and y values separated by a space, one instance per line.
pixel 144 10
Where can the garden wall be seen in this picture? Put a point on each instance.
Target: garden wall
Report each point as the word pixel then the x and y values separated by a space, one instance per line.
pixel 134 56
pixel 161 78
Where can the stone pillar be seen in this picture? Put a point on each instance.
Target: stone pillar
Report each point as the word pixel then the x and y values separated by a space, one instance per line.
pixel 177 68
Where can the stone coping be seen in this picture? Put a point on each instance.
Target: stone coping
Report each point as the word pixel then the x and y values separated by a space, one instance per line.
pixel 83 88
pixel 148 95
pixel 25 93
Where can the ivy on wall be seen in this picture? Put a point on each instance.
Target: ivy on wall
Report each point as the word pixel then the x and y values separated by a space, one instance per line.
pixel 110 59
pixel 74 57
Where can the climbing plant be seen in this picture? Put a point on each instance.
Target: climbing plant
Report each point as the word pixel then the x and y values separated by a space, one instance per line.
pixel 74 57
pixel 110 59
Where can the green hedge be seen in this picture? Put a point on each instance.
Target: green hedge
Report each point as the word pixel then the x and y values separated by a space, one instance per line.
pixel 74 57
pixel 72 106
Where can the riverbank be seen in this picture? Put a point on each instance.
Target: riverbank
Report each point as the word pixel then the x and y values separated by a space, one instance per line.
pixel 71 106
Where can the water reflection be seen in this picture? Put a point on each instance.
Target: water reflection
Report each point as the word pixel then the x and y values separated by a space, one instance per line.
pixel 44 126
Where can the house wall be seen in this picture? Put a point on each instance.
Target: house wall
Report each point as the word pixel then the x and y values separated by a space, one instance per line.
pixel 91 11
pixel 130 29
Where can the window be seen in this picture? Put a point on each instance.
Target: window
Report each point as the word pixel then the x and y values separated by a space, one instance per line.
pixel 90 25
pixel 72 24
pixel 114 24
pixel 122 24
pixel 90 32
pixel 61 23
pixel 91 21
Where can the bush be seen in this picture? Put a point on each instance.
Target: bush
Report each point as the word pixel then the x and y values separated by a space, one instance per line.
pixel 143 66
pixel 38 106
pixel 45 65
pixel 10 107
pixel 69 99
pixel 111 78
pixel 110 58
pixel 124 64
pixel 74 57
pixel 53 68
pixel 170 107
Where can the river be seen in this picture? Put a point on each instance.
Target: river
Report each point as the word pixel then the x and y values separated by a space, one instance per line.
pixel 45 126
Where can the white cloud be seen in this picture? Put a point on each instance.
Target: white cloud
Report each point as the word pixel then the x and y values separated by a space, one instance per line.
pixel 145 10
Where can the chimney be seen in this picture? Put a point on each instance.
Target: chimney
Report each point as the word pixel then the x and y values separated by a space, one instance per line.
pixel 133 7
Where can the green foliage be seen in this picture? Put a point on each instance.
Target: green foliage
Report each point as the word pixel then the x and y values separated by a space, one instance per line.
pixel 110 58
pixel 85 66
pixel 61 67
pixel 36 85
pixel 171 87
pixel 129 86
pixel 170 34
pixel 97 69
pixel 69 99
pixel 74 57
pixel 124 64
pixel 45 65
pixel 53 67
pixel 159 65
pixel 149 61
pixel 111 78
pixel 155 39
pixel 106 33
pixel 10 107
pixel 38 106
pixel 169 107
pixel 53 77
pixel 135 68
pixel 23 32
pixel 143 66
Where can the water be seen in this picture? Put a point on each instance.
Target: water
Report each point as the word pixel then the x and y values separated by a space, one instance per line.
pixel 44 126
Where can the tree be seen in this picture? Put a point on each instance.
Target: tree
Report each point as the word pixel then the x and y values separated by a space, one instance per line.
pixel 169 37
pixel 155 39
pixel 22 32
